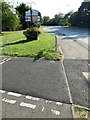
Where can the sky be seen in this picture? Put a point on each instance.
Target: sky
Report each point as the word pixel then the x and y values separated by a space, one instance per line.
pixel 52 7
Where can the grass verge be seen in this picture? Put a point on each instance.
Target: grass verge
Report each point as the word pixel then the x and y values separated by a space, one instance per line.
pixel 15 44
pixel 80 112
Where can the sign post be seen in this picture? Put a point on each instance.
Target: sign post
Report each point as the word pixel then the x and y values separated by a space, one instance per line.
pixel 32 15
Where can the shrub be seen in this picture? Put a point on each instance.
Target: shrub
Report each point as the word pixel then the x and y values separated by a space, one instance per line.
pixel 32 33
pixel 33 29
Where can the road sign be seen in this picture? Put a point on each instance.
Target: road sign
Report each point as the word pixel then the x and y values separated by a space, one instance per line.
pixel 34 13
pixel 35 16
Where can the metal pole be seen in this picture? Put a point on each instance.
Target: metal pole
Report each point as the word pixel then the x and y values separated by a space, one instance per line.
pixel 31 15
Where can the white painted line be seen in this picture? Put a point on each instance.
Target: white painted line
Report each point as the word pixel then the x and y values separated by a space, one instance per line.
pixel 55 112
pixel 86 75
pixel 43 109
pixel 32 98
pixel 8 59
pixel 28 105
pixel 9 101
pixel 47 101
pixel 3 59
pixel 14 94
pixel 89 65
pixel 2 91
pixel 2 62
pixel 58 103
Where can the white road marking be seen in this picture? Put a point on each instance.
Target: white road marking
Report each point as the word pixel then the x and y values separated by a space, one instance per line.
pixel 8 59
pixel 32 98
pixel 47 101
pixel 2 91
pixel 43 109
pixel 14 94
pixel 55 112
pixel 89 65
pixel 28 105
pixel 4 60
pixel 86 75
pixel 9 101
pixel 58 103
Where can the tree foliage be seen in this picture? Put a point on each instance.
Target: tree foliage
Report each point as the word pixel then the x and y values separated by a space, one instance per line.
pixel 21 9
pixel 81 18
pixel 45 20
pixel 65 19
pixel 10 21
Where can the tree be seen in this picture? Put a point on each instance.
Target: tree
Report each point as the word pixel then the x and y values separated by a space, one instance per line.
pixel 58 18
pixel 10 21
pixel 21 9
pixel 46 20
pixel 83 14
pixel 54 21
pixel 81 18
pixel 73 19
pixel 65 19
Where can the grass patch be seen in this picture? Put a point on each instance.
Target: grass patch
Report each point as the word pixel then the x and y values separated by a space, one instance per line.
pixel 15 44
pixel 80 112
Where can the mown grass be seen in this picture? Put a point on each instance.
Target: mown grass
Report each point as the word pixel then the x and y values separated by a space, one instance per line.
pixel 15 44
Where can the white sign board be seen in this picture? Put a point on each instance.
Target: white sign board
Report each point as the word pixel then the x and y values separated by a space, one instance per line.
pixel 34 13
pixel 35 16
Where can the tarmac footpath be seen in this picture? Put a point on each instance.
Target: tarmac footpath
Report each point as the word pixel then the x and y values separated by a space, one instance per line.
pixel 76 67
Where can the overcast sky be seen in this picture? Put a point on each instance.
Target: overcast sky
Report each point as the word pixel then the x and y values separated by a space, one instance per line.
pixel 52 7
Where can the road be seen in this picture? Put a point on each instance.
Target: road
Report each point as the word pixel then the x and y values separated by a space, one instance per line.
pixel 78 34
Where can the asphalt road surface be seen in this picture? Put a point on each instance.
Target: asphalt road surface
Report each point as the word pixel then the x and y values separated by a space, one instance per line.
pixel 78 34
pixel 44 79
pixel 77 82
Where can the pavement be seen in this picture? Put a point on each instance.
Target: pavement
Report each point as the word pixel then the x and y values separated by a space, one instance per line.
pixel 45 89
pixel 76 63
pixel 37 79
pixel 15 105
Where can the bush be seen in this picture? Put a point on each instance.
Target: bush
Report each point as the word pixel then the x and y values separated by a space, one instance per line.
pixel 34 29
pixel 32 33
